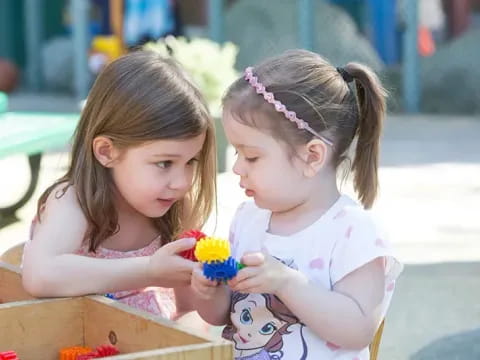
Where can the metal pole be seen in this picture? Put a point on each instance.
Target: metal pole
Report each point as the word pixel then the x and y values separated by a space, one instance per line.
pixel 33 39
pixel 80 20
pixel 411 80
pixel 382 16
pixel 215 20
pixel 306 14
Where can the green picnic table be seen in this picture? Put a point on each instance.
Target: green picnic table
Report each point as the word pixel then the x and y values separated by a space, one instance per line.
pixel 31 134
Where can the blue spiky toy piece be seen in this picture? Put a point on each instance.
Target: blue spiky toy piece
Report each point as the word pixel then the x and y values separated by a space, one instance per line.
pixel 221 270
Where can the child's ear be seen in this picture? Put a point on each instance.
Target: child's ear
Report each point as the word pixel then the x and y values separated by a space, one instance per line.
pixel 104 151
pixel 316 155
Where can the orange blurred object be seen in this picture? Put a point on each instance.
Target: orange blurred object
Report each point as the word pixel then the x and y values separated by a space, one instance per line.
pixel 426 44
pixel 71 353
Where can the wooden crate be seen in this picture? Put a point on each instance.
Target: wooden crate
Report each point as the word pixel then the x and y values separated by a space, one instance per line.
pixel 38 329
pixel 13 255
pixel 11 288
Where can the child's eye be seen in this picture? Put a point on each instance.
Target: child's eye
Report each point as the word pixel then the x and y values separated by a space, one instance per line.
pixel 192 161
pixel 248 159
pixel 164 164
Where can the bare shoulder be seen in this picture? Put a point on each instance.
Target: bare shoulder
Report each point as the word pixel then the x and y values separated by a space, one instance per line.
pixel 62 203
pixel 62 223
pixel 62 195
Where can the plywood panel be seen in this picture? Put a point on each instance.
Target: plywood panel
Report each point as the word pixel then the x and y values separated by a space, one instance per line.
pixel 11 288
pixel 38 329
pixel 219 351
pixel 130 329
pixel 13 255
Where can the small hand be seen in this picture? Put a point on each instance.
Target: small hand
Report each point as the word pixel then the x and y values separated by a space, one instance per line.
pixel 203 287
pixel 262 274
pixel 169 269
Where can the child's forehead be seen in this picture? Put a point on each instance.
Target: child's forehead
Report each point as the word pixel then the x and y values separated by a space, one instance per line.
pixel 245 135
pixel 263 143
pixel 170 147
pixel 241 146
pixel 253 119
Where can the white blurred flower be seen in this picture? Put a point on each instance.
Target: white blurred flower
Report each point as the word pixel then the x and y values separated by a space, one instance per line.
pixel 210 65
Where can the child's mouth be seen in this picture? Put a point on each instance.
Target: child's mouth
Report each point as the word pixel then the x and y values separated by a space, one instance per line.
pixel 166 202
pixel 249 192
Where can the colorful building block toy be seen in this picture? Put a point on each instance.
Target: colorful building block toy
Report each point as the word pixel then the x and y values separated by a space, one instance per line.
pixel 190 253
pixel 214 254
pixel 110 296
pixel 222 270
pixel 99 352
pixel 71 353
pixel 210 249
pixel 8 355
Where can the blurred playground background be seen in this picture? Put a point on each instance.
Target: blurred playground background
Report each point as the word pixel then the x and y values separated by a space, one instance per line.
pixel 426 51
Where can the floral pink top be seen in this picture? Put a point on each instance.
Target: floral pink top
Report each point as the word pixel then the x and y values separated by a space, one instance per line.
pixel 156 300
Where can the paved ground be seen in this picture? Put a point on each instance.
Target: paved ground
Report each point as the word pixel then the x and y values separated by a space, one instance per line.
pixel 430 191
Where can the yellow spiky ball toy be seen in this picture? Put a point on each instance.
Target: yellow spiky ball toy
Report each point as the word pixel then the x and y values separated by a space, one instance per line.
pixel 210 249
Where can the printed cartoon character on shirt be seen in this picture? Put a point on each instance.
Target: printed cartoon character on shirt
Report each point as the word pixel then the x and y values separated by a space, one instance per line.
pixel 259 324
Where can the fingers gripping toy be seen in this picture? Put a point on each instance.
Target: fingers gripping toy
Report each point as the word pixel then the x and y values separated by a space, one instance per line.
pixel 215 255
pixel 190 253
pixel 222 271
pixel 187 254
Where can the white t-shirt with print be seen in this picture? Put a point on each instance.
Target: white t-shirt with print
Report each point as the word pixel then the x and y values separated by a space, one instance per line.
pixel 339 242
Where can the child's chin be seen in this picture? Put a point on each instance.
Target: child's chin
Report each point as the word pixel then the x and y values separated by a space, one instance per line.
pixel 262 204
pixel 155 213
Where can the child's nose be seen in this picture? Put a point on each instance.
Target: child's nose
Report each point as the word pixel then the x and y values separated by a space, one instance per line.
pixel 237 168
pixel 180 181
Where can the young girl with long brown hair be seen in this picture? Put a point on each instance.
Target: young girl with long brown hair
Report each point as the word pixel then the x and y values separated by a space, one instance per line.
pixel 142 169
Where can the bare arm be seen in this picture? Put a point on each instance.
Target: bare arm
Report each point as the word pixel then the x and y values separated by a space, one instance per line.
pixel 211 300
pixel 51 268
pixel 215 311
pixel 349 315
pixel 346 316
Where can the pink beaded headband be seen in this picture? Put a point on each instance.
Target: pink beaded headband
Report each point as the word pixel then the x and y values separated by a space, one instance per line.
pixel 290 115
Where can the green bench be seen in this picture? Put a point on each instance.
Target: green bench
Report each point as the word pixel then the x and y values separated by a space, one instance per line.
pixel 31 133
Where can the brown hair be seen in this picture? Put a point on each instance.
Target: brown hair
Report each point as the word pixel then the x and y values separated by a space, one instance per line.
pixel 137 98
pixel 307 84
